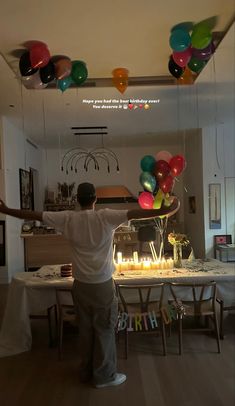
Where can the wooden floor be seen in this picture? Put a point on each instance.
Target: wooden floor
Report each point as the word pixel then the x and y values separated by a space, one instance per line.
pixel 200 377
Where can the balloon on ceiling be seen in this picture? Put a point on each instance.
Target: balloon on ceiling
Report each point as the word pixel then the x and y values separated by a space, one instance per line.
pixel 120 79
pixel 192 47
pixel 38 68
pixel 158 178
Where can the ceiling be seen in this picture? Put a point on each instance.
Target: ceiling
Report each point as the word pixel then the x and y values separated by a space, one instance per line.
pixel 105 35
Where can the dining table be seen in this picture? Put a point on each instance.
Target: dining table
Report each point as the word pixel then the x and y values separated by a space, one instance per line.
pixel 34 292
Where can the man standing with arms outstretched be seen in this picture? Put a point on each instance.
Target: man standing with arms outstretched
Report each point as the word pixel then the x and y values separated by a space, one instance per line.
pixel 90 235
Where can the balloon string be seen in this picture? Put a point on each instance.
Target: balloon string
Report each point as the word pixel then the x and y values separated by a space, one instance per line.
pixel 161 225
pixel 44 135
pixel 216 113
pixel 178 108
pixel 23 123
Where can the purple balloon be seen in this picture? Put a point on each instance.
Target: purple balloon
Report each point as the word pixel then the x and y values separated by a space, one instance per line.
pixel 204 54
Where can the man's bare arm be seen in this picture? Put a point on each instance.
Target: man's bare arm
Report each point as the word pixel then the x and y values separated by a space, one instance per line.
pixel 163 211
pixel 21 214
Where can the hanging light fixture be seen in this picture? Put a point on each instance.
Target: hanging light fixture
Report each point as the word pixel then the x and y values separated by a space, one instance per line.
pixel 75 155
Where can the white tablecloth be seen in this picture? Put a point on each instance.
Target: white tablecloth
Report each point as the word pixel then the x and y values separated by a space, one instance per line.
pixel 33 292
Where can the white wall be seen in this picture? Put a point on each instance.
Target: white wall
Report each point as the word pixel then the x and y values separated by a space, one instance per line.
pixel 17 153
pixel 216 96
pixel 194 222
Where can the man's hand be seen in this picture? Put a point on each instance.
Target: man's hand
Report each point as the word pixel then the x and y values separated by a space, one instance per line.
pixel 20 214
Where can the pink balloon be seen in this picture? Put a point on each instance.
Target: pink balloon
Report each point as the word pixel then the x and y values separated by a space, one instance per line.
pixel 182 58
pixel 146 200
pixel 163 156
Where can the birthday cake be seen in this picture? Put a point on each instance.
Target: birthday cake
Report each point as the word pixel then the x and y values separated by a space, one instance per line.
pixel 66 270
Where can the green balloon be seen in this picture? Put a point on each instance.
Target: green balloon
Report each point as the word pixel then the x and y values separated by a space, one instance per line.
pixel 79 72
pixel 196 65
pixel 147 163
pixel 201 37
pixel 148 181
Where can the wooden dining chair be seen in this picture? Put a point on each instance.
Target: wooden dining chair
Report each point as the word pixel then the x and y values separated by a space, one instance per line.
pixel 66 313
pixel 224 307
pixel 141 304
pixel 198 301
pixel 51 316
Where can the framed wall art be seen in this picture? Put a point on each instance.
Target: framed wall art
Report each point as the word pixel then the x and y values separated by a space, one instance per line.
pixel 26 195
pixel 192 204
pixel 215 206
pixel 2 243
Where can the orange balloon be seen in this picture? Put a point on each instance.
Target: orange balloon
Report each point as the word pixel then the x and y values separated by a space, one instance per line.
pixel 120 79
pixel 63 68
pixel 187 78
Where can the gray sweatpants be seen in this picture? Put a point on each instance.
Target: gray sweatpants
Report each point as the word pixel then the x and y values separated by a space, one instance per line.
pixel 97 310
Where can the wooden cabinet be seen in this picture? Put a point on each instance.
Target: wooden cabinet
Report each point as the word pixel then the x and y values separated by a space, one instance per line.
pixel 45 250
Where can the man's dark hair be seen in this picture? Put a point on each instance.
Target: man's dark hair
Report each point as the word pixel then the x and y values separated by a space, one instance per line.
pixel 86 194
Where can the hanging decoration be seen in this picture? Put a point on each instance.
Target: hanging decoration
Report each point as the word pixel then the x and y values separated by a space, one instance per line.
pixel 192 47
pixel 120 79
pixel 38 68
pixel 74 156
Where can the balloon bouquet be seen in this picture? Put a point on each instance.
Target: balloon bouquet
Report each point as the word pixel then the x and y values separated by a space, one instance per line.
pixel 192 47
pixel 38 68
pixel 158 179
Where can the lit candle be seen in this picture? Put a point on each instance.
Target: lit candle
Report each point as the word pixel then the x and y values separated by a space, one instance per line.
pixel 119 257
pixel 118 267
pixel 170 263
pixel 135 256
pixel 131 264
pixel 146 264
pixel 137 265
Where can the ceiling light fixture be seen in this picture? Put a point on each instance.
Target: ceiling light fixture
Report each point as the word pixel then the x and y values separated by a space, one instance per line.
pixel 73 156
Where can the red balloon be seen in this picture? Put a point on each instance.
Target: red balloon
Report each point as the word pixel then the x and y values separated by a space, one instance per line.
pixel 39 55
pixel 166 185
pixel 161 169
pixel 177 165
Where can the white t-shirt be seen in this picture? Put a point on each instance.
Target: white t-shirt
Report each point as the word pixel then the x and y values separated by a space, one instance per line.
pixel 90 234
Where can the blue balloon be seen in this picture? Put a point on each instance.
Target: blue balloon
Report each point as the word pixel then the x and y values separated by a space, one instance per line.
pixel 148 181
pixel 64 84
pixel 186 26
pixel 147 163
pixel 180 40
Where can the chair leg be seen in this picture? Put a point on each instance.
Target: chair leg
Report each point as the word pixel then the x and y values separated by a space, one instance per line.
pixel 126 343
pixel 217 333
pixel 60 338
pixel 52 338
pixel 222 320
pixel 180 334
pixel 163 337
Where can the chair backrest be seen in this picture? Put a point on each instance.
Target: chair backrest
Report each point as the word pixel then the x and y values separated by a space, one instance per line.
pixel 142 297
pixel 196 293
